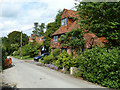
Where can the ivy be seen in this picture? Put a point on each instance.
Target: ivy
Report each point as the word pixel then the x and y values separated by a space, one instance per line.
pixel 101 65
pixel 102 19
pixel 65 60
pixel 73 39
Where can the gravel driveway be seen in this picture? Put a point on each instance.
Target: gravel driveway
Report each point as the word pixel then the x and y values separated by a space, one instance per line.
pixel 29 75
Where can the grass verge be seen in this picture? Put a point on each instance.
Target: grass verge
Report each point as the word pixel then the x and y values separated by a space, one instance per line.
pixel 24 57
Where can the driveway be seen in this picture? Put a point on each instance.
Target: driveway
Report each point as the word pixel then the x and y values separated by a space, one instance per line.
pixel 29 75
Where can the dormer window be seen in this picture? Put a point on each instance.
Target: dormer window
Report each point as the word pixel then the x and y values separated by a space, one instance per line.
pixel 55 38
pixel 64 21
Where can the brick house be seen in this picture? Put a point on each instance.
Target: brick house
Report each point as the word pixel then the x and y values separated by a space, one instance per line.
pixel 36 38
pixel 31 38
pixel 68 24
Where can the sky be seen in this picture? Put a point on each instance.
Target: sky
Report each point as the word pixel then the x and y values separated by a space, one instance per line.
pixel 20 15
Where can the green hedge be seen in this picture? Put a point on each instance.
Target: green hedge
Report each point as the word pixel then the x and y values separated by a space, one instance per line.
pixel 102 66
pixel 4 56
pixel 56 52
pixel 32 49
pixel 66 60
pixel 48 59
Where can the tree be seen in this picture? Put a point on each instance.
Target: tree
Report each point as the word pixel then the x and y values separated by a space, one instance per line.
pixel 41 29
pixel 12 42
pixel 58 19
pixel 3 55
pixel 51 28
pixel 38 29
pixel 15 38
pixel 31 49
pixel 73 39
pixel 103 19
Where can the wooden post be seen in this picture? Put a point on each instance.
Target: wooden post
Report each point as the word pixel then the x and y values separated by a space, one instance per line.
pixel 21 46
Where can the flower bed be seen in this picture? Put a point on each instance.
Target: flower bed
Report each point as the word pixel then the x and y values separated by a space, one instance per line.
pixel 51 66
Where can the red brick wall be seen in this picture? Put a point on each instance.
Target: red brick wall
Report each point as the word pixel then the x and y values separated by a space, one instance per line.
pixel 31 38
pixel 37 39
pixel 68 13
pixel 64 14
pixel 88 42
pixel 55 44
pixel 69 22
pixel 92 39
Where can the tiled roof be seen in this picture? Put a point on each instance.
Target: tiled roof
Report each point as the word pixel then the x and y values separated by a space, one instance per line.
pixel 88 35
pixel 61 30
pixel 73 26
pixel 103 39
pixel 68 13
pixel 92 39
pixel 64 29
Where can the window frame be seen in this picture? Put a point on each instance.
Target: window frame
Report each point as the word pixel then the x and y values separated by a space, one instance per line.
pixel 55 38
pixel 40 39
pixel 64 21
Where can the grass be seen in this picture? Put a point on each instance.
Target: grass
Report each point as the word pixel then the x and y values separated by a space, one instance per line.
pixel 24 57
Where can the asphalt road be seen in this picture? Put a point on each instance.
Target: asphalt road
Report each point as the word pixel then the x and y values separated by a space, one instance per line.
pixel 29 75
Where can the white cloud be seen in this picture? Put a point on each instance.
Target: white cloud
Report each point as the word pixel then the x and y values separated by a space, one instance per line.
pixel 10 9
pixel 26 27
pixel 21 14
pixel 10 23
pixel 19 1
pixel 1 25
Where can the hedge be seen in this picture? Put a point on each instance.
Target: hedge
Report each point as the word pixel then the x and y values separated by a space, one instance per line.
pixel 102 66
pixel 48 59
pixel 65 60
pixel 56 52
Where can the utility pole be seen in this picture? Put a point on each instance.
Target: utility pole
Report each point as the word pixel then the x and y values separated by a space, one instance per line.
pixel 21 46
pixel 44 43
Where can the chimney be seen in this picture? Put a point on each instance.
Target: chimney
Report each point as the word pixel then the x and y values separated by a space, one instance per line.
pixel 31 35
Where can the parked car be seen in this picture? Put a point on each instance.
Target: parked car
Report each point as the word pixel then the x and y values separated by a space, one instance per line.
pixel 39 57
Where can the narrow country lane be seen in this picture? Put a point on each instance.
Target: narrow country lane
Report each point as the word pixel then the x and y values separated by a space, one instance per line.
pixel 29 75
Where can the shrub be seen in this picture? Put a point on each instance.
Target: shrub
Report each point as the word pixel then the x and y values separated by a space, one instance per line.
pixel 56 52
pixel 48 59
pixel 50 49
pixel 102 66
pixel 4 56
pixel 65 60
pixel 16 53
pixel 32 49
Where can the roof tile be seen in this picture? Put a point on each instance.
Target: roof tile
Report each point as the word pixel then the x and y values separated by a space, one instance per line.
pixel 61 30
pixel 68 13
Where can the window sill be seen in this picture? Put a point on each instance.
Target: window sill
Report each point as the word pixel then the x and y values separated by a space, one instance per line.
pixel 55 42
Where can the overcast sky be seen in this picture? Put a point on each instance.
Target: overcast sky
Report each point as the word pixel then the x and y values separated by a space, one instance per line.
pixel 21 14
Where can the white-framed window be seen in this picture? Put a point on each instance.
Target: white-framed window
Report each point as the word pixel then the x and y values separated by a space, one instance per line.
pixel 55 38
pixel 64 21
pixel 31 40
pixel 40 38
